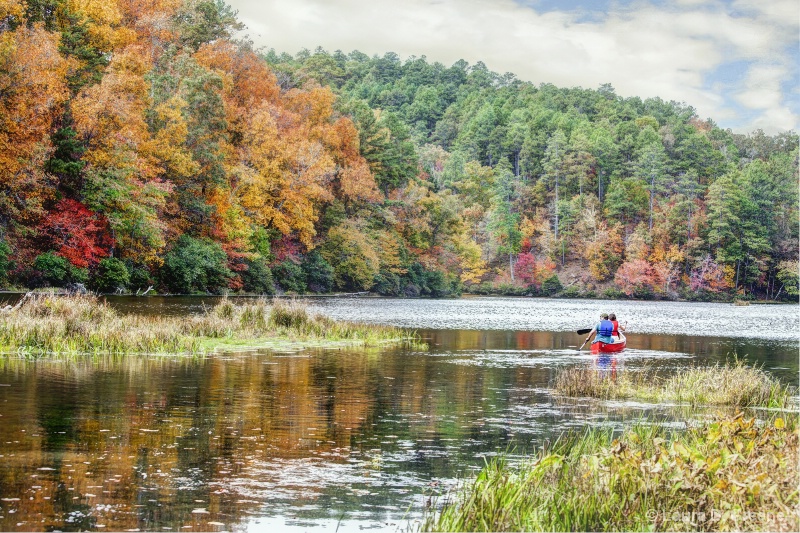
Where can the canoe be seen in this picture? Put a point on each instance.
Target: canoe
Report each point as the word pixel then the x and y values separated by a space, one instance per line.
pixel 614 347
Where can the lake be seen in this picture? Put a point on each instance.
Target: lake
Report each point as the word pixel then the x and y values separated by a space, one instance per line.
pixel 335 439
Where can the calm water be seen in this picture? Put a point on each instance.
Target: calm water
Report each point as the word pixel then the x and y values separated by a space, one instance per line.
pixel 321 440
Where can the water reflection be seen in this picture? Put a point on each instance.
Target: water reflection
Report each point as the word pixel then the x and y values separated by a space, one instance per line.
pixel 337 438
pixel 606 365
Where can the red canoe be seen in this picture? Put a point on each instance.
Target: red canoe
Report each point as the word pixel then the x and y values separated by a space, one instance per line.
pixel 614 347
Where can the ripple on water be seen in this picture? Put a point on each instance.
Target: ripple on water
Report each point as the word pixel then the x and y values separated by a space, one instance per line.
pixel 306 478
pixel 771 322
pixel 549 358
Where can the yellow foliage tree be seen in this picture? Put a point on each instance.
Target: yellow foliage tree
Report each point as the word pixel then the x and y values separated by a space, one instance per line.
pixel 604 251
pixel 473 267
pixel 283 175
pixel 167 146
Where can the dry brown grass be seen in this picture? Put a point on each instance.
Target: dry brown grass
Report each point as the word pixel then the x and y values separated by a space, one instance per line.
pixel 71 325
pixel 732 384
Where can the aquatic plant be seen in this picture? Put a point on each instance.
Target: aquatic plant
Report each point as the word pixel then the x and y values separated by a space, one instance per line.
pixel 728 474
pixel 46 324
pixel 735 384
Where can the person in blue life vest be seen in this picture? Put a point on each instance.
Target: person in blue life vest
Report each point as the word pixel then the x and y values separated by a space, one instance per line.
pixel 603 330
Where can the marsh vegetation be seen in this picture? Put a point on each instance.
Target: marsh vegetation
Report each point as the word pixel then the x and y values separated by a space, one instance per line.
pixel 730 474
pixel 49 325
pixel 731 384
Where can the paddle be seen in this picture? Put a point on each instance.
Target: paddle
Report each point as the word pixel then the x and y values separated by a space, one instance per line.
pixel 584 343
pixel 584 331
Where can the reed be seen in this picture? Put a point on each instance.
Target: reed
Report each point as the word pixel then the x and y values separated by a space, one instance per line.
pixel 60 325
pixel 733 384
pixel 728 474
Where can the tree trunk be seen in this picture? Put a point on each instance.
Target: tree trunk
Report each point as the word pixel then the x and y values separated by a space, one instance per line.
pixel 556 207
pixel 652 184
pixel 600 186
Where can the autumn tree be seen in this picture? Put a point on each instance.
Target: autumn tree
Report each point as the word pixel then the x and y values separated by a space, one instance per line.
pixel 636 278
pixel 121 181
pixel 32 92
pixel 77 234
pixel 351 254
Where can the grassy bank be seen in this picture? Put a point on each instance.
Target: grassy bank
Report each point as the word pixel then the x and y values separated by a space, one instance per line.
pixel 71 325
pixel 733 384
pixel 729 474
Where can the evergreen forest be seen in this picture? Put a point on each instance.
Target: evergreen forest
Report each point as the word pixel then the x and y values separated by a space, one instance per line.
pixel 145 147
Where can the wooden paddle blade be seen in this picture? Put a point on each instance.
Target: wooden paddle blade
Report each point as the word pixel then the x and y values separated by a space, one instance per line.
pixel 584 331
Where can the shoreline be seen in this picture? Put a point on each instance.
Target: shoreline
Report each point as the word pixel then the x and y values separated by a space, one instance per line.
pixel 372 295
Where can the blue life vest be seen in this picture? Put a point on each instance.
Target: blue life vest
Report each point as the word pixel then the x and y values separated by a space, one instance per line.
pixel 605 328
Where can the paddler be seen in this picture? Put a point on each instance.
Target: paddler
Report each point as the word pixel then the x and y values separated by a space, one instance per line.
pixel 602 330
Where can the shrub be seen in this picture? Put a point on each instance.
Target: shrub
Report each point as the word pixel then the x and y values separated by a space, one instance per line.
pixel 389 284
pixel 139 277
pixel 437 284
pixel 111 275
pixel 290 277
pixel 195 265
pixel 411 290
pixel 55 271
pixel 420 281
pixel 571 292
pixel 643 293
pixel 613 293
pixel 509 289
pixel 5 263
pixel 551 285
pixel 484 288
pixel 318 272
pixel 258 277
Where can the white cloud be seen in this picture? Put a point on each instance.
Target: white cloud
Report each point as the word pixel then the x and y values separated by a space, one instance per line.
pixel 642 50
pixel 762 87
pixel 774 120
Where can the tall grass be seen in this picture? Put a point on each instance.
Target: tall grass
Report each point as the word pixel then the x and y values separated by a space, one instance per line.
pixel 729 474
pixel 61 325
pixel 733 384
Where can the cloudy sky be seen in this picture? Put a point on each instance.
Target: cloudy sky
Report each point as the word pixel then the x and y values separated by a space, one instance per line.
pixel 735 61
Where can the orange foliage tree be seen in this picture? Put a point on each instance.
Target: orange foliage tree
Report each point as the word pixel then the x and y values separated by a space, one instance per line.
pixel 123 182
pixel 636 276
pixel 32 93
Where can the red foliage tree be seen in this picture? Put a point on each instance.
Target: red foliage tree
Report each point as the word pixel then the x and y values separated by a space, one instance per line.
pixel 532 271
pixel 77 234
pixel 635 275
pixel 526 267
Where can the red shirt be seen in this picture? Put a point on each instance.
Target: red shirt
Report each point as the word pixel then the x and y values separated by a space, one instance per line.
pixel 616 327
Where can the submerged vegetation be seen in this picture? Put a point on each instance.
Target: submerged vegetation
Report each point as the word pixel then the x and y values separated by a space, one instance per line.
pixel 733 384
pixel 57 325
pixel 729 474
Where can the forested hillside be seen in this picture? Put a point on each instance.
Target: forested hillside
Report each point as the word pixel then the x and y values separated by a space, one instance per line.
pixel 143 146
